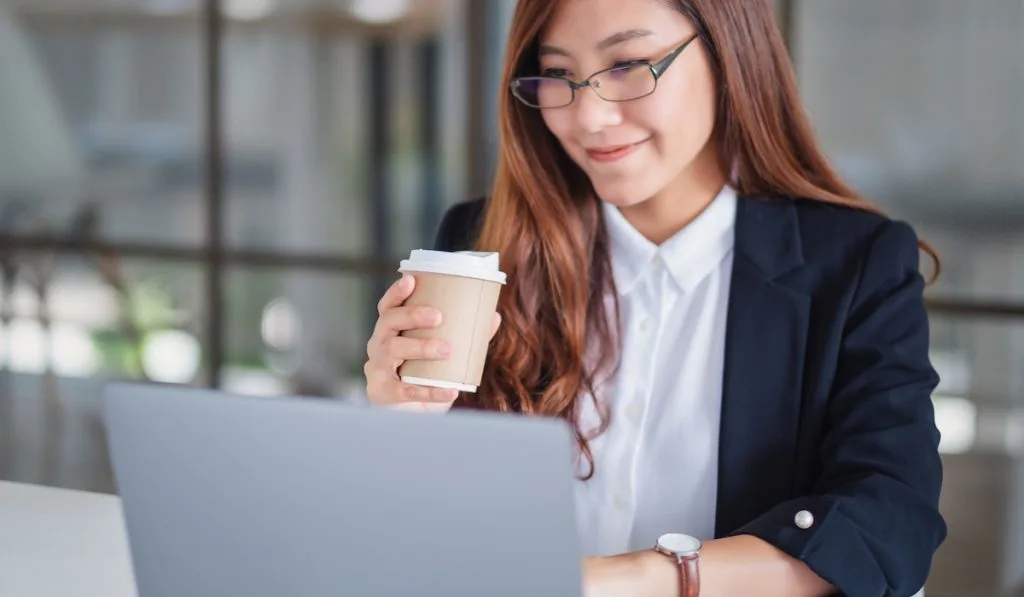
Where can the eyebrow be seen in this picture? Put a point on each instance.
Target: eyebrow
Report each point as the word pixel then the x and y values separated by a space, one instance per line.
pixel 608 42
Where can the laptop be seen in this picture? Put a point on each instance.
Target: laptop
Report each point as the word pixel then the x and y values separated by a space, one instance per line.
pixel 232 495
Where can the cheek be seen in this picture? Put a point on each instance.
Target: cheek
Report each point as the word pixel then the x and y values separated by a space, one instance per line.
pixel 559 124
pixel 683 118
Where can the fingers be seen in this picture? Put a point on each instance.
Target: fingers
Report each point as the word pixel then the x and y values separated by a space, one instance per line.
pixel 399 319
pixel 387 349
pixel 385 387
pixel 398 349
pixel 413 393
pixel 396 294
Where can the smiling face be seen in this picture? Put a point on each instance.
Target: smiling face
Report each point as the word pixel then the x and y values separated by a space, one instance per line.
pixel 635 150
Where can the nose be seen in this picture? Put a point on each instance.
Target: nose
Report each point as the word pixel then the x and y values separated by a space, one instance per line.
pixel 593 113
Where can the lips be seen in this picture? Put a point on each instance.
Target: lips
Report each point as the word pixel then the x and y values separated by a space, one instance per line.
pixel 613 153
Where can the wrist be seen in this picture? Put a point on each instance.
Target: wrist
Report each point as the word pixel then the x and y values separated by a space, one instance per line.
pixel 683 552
pixel 660 574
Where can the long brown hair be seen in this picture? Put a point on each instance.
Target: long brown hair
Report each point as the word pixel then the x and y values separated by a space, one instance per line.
pixel 558 337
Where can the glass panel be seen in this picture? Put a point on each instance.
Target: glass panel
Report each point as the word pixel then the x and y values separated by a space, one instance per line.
pixel 982 262
pixel 295 332
pixel 980 412
pixel 100 119
pixel 921 104
pixel 344 137
pixel 67 326
pixel 979 363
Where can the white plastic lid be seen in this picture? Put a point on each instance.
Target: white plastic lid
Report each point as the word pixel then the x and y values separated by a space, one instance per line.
pixel 467 264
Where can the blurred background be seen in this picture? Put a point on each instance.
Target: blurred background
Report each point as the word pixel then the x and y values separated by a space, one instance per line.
pixel 216 192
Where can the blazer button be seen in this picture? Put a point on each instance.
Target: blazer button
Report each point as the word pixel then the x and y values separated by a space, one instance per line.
pixel 804 519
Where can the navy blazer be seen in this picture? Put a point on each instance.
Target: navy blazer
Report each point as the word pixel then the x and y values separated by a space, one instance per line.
pixel 826 404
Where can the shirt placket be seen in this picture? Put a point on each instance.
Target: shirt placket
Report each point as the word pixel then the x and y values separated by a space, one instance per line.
pixel 645 339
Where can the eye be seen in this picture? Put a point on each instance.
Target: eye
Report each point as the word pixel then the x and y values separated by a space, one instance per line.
pixel 625 69
pixel 627 64
pixel 555 72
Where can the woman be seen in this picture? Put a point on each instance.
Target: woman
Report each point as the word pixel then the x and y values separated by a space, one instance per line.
pixel 740 343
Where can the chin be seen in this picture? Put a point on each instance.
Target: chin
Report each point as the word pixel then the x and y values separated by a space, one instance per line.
pixel 624 194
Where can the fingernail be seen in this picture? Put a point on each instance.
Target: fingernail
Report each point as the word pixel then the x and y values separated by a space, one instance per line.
pixel 432 316
pixel 442 349
pixel 416 393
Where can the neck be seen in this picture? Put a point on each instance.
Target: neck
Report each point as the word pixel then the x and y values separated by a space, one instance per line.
pixel 681 202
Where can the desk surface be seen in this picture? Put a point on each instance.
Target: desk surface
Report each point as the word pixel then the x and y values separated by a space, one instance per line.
pixel 57 542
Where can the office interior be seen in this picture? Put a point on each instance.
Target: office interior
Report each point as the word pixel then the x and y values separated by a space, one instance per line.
pixel 216 192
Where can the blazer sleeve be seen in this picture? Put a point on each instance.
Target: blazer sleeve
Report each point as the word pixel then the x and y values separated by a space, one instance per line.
pixel 876 523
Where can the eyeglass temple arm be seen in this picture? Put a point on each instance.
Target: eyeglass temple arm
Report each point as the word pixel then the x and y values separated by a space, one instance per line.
pixel 667 61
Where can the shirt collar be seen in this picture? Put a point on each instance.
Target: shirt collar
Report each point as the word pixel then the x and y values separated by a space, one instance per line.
pixel 690 255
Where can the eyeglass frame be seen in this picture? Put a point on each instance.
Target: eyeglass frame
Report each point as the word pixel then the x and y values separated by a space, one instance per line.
pixel 657 69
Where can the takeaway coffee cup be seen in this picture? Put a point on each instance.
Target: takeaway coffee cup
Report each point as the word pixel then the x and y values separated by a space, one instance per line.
pixel 464 286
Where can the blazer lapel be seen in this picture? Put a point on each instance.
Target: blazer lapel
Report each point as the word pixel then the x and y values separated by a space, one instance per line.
pixel 766 331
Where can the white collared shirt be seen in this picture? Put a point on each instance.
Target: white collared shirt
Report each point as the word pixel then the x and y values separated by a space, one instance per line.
pixel 656 466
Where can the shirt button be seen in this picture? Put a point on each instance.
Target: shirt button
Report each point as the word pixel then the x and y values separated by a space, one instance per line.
pixel 621 501
pixel 804 519
pixel 645 325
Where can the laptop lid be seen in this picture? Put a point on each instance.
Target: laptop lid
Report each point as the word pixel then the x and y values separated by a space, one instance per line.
pixel 230 495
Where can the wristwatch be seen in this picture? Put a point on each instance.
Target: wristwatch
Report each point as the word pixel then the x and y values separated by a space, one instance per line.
pixel 685 550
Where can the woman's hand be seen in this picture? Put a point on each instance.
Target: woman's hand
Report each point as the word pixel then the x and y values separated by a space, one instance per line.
pixel 387 350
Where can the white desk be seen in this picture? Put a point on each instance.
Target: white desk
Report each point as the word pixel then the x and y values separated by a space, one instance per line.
pixel 56 542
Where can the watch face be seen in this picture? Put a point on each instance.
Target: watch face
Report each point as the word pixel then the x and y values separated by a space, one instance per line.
pixel 682 545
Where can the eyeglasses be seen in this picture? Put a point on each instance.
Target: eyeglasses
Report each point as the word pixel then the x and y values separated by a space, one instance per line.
pixel 621 83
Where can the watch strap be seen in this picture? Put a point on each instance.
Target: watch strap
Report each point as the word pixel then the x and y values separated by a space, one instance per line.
pixel 684 550
pixel 689 576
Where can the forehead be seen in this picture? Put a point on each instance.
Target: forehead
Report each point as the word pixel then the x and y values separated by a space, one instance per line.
pixel 583 25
